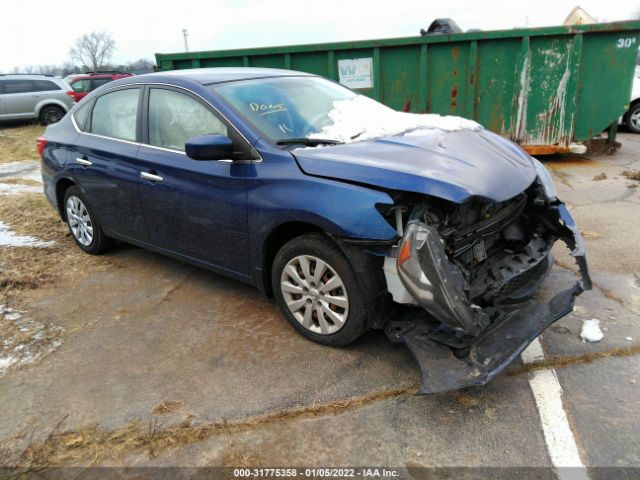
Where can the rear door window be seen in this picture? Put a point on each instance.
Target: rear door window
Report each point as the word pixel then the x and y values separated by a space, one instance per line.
pixel 98 82
pixel 83 85
pixel 18 86
pixel 115 114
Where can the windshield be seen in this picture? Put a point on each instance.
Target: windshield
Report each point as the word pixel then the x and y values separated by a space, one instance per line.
pixel 284 108
pixel 316 111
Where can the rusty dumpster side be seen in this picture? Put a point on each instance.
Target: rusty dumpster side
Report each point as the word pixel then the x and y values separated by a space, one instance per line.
pixel 548 89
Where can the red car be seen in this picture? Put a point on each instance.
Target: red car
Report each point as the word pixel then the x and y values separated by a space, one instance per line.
pixel 85 83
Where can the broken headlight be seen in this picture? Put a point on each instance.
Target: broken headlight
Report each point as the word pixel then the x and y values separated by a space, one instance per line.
pixel 545 180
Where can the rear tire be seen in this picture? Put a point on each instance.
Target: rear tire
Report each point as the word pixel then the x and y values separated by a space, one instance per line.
pixel 632 118
pixel 82 223
pixel 318 291
pixel 51 114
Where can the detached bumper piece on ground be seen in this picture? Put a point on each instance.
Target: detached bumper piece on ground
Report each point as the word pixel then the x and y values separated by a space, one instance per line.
pixel 477 334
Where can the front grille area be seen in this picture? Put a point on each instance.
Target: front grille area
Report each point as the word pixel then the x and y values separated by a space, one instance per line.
pixel 524 280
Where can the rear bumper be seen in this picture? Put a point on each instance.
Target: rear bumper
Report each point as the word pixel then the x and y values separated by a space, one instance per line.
pixel 471 345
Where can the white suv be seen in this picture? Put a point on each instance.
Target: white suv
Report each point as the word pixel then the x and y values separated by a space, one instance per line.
pixel 43 97
pixel 632 117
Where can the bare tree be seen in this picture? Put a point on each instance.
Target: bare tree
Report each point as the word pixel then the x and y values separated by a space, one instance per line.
pixel 93 50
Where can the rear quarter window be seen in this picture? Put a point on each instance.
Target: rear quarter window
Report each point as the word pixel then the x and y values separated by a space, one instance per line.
pixel 81 116
pixel 44 86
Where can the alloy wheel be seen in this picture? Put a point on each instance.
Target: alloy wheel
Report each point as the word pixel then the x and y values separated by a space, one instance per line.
pixel 52 116
pixel 79 221
pixel 634 120
pixel 315 294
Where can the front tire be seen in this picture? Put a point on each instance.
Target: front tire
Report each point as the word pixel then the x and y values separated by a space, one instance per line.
pixel 632 118
pixel 51 114
pixel 82 223
pixel 318 292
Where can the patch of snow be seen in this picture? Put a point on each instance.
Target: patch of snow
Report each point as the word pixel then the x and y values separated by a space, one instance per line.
pixel 25 340
pixel 361 118
pixel 628 339
pixel 18 189
pixel 8 238
pixel 6 362
pixel 13 316
pixel 591 331
pixel 25 169
pixel 28 170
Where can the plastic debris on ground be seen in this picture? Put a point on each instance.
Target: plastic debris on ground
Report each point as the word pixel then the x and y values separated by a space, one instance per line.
pixel 591 331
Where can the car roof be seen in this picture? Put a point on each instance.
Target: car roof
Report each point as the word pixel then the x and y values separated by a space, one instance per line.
pixel 208 76
pixel 88 76
pixel 26 76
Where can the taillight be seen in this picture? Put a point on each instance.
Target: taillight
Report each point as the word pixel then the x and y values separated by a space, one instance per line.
pixel 72 94
pixel 41 142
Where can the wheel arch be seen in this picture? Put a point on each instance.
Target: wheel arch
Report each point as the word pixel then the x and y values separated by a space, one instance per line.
pixel 50 102
pixel 61 187
pixel 367 267
pixel 274 241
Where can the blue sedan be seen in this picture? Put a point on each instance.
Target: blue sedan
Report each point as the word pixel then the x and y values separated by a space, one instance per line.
pixel 353 216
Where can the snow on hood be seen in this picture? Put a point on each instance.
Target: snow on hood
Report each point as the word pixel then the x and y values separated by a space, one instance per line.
pixel 361 118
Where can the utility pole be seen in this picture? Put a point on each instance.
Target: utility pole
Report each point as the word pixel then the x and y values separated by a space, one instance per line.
pixel 185 34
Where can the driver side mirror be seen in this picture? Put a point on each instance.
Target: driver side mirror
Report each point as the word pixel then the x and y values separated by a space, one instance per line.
pixel 213 146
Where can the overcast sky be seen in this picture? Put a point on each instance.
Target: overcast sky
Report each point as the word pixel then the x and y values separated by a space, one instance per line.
pixel 41 32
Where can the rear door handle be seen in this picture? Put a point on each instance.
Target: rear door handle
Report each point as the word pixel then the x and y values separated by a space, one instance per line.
pixel 151 176
pixel 84 162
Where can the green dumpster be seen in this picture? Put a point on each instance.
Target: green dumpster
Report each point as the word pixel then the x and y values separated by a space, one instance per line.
pixel 548 89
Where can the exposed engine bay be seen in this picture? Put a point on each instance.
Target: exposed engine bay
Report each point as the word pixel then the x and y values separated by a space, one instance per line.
pixel 466 275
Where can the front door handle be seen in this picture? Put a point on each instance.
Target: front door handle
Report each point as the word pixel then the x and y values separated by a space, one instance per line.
pixel 151 176
pixel 84 162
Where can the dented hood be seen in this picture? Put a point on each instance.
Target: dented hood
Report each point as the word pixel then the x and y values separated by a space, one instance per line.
pixel 455 166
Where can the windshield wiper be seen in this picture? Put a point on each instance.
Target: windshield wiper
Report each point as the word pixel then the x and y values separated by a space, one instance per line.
pixel 309 142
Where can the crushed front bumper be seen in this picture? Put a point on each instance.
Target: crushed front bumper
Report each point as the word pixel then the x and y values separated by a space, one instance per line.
pixel 479 342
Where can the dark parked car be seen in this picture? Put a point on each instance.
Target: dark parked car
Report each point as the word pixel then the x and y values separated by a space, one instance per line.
pixel 82 85
pixel 353 216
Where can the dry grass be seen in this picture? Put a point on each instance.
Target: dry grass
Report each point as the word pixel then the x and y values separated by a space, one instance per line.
pixel 27 268
pixel 90 445
pixel 465 400
pixel 21 181
pixel 600 176
pixel 19 142
pixel 168 406
pixel 569 360
pixel 632 174
pixel 591 234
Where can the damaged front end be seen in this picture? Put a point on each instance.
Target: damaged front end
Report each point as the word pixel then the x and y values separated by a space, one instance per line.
pixel 472 270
